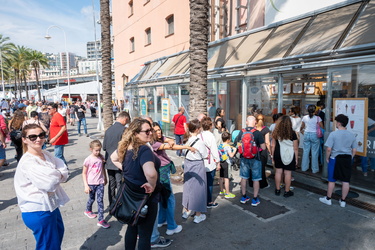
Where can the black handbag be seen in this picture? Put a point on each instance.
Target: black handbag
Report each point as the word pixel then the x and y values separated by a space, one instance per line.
pixel 127 206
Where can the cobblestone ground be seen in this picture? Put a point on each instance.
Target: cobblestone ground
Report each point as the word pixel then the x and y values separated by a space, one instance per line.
pixel 299 222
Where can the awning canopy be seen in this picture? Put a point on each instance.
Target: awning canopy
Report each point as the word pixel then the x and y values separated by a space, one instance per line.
pixel 340 30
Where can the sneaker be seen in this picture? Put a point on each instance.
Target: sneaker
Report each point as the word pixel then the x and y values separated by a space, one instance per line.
pixel 288 194
pixel 200 218
pixel 162 224
pixel 79 135
pixel 212 205
pixel 87 135
pixel 325 201
pixel 255 202
pixel 103 224
pixel 291 188
pixel 244 199
pixel 90 214
pixel 342 203
pixel 174 231
pixel 365 174
pixel 222 192
pixel 229 196
pixel 186 214
pixel 277 192
pixel 162 242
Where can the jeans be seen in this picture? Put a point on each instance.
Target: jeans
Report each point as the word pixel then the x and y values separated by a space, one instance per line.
pixel 114 182
pixel 252 165
pixel 155 231
pixel 210 184
pixel 59 153
pixel 179 139
pixel 144 230
pixel 83 121
pixel 47 227
pixel 310 142
pixel 167 214
pixel 364 164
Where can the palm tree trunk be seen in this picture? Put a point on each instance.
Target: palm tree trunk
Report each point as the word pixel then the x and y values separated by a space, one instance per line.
pixel 37 84
pixel 19 84
pixel 105 19
pixel 199 26
pixel 15 84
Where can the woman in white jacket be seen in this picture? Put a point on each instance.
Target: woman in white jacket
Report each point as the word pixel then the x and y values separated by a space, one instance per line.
pixel 39 194
pixel 212 162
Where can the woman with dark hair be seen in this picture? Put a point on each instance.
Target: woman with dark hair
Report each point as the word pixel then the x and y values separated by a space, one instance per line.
pixel 167 204
pixel 295 119
pixel 39 194
pixel 15 127
pixel 311 142
pixel 284 153
pixel 194 196
pixel 219 120
pixel 139 167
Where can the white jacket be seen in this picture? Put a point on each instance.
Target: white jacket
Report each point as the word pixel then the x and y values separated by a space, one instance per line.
pixel 37 183
pixel 213 157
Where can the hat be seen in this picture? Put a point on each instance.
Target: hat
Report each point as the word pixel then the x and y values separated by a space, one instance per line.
pixel 21 105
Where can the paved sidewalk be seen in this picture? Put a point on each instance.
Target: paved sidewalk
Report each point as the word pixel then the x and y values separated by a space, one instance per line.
pixel 299 222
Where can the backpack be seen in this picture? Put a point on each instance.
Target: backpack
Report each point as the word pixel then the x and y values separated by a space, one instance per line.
pixel 223 155
pixel 248 148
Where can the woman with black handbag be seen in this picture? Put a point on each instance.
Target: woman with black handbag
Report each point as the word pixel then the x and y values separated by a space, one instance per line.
pixel 15 128
pixel 139 166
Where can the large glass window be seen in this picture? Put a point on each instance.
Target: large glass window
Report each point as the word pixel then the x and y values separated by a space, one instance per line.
pixel 171 92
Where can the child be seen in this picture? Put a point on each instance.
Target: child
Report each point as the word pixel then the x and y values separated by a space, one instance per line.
pixel 94 179
pixel 226 152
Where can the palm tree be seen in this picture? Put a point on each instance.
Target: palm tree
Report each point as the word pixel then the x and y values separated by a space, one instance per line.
pixel 18 62
pixel 5 50
pixel 199 26
pixel 105 20
pixel 37 60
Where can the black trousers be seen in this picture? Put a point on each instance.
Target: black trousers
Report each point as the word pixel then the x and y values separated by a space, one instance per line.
pixel 114 182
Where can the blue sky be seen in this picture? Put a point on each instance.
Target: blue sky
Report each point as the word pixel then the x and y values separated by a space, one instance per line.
pixel 26 22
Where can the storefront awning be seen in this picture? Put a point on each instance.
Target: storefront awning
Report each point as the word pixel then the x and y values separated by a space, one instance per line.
pixel 179 66
pixel 218 54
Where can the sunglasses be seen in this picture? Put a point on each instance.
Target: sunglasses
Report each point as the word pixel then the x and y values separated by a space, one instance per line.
pixel 33 137
pixel 147 132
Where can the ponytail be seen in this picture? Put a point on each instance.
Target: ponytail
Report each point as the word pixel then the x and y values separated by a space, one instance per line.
pixel 311 110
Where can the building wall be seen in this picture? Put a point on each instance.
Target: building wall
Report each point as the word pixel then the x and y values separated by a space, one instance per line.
pixel 146 15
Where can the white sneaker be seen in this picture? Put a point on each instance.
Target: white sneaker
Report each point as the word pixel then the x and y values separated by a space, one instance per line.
pixel 325 201
pixel 200 218
pixel 162 224
pixel 342 203
pixel 174 231
pixel 186 215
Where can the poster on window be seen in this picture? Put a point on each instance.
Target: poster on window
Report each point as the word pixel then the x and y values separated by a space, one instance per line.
pixel 143 106
pixel 356 109
pixel 165 110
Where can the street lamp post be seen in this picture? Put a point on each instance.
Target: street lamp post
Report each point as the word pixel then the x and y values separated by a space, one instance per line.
pixel 100 123
pixel 2 73
pixel 47 36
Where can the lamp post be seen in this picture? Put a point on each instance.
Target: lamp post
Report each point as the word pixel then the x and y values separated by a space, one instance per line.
pixel 47 36
pixel 2 73
pixel 100 123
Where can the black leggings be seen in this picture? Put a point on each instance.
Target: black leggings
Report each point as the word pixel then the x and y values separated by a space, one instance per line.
pixel 144 230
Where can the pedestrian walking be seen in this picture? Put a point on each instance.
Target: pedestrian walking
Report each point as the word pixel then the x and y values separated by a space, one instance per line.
pixel 94 180
pixel 39 194
pixel 180 127
pixel 80 111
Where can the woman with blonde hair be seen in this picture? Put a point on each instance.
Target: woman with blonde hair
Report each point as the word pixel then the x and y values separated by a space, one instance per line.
pixel 284 153
pixel 139 167
pixel 15 128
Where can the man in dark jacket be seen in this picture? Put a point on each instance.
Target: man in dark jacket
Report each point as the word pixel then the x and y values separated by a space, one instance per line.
pixel 111 138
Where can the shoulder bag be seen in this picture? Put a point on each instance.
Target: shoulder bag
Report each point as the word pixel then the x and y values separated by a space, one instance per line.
pixel 319 132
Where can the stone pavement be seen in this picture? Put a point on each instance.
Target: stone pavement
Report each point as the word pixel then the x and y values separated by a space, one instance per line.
pixel 299 222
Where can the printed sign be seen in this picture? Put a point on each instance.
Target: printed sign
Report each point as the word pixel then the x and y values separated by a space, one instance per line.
pixel 356 109
pixel 165 112
pixel 143 106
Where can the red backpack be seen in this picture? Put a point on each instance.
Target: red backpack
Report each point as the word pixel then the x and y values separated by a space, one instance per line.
pixel 248 148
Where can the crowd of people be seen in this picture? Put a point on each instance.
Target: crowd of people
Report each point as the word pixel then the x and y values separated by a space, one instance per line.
pixel 135 153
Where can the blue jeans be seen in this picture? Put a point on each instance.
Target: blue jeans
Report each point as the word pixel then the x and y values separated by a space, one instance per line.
pixel 179 139
pixel 83 122
pixel 47 227
pixel 364 164
pixel 210 184
pixel 310 143
pixel 167 214
pixel 155 231
pixel 59 152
